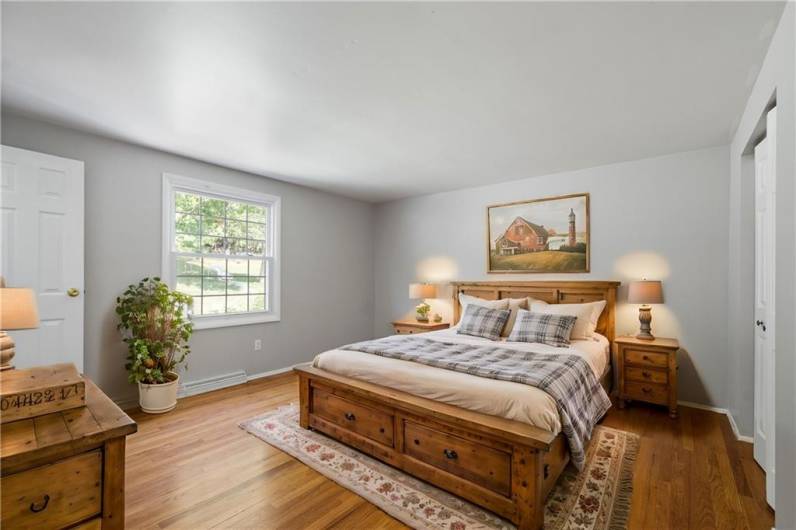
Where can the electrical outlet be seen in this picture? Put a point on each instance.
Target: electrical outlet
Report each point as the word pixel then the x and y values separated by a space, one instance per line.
pixel 258 345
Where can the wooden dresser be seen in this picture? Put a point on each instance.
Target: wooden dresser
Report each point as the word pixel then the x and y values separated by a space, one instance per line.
pixel 647 371
pixel 65 469
pixel 411 327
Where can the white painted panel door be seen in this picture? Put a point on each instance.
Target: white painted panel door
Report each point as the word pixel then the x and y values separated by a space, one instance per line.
pixel 765 234
pixel 41 202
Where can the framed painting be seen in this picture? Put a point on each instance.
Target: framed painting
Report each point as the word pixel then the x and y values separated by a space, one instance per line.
pixel 548 235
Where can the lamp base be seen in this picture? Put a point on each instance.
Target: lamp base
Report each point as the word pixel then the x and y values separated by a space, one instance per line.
pixel 645 318
pixel 6 351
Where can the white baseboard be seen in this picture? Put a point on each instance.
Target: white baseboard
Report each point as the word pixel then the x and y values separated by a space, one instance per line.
pixel 270 373
pixel 738 436
pixel 201 386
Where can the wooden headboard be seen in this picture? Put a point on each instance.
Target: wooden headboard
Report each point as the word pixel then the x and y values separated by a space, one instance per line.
pixel 552 292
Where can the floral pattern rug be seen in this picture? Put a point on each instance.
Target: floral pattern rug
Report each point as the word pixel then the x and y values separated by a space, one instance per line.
pixel 598 498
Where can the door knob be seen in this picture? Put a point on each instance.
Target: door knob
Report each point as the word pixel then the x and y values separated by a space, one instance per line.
pixel 759 322
pixel 72 292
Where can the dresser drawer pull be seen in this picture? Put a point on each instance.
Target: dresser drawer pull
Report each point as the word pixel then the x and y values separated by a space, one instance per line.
pixel 646 374
pixel 350 416
pixel 450 454
pixel 41 507
pixel 645 357
pixel 646 389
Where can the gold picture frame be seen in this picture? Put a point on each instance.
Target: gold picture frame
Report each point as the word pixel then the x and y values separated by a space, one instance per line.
pixel 539 236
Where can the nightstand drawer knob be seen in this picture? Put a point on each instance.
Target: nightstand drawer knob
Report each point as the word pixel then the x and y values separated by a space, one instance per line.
pixel 350 416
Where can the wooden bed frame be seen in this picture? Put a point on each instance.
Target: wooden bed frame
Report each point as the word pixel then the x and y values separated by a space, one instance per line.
pixel 505 466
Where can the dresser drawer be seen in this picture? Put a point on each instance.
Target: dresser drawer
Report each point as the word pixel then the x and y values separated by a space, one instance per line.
pixel 646 375
pixel 647 392
pixel 472 461
pixel 646 358
pixel 55 495
pixel 407 330
pixel 369 422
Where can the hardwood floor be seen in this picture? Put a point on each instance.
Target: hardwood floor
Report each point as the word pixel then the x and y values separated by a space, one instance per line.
pixel 194 468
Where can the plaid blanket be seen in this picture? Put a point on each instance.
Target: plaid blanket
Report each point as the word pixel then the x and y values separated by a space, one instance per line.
pixel 580 398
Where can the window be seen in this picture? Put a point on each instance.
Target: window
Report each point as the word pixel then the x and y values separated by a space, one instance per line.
pixel 221 246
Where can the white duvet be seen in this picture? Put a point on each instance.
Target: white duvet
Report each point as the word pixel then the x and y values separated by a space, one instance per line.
pixel 514 401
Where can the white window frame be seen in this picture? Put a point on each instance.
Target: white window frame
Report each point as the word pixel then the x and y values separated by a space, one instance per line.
pixel 173 183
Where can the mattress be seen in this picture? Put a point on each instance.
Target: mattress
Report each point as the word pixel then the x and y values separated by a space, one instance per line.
pixel 506 399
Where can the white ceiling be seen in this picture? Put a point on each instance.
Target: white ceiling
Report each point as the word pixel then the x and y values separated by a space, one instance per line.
pixel 385 100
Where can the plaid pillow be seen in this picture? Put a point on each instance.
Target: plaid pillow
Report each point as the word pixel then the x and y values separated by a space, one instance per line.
pixel 546 328
pixel 483 322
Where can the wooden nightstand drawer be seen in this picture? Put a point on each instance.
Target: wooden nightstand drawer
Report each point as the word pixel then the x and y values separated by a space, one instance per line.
pixel 646 375
pixel 406 330
pixel 647 392
pixel 55 495
pixel 646 358
pixel 413 327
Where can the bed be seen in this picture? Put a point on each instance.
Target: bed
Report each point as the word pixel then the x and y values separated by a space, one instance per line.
pixel 495 443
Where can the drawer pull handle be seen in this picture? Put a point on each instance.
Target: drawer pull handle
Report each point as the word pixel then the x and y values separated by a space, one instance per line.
pixel 450 454
pixel 646 389
pixel 350 416
pixel 41 507
pixel 645 357
pixel 646 374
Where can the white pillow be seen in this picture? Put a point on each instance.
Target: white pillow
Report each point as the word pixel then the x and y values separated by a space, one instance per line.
pixel 588 314
pixel 515 304
pixel 465 299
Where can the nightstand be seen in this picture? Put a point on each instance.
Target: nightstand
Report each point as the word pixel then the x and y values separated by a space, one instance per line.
pixel 647 371
pixel 413 327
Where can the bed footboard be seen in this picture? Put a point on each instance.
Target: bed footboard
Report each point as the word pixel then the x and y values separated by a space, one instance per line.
pixel 504 466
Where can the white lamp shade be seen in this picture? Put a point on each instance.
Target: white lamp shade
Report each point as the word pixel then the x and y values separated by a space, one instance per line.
pixel 18 309
pixel 422 290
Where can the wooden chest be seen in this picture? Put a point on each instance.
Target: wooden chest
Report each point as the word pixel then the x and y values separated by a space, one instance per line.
pixel 65 469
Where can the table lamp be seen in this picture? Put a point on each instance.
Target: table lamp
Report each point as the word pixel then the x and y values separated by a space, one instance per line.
pixel 422 291
pixel 645 292
pixel 17 311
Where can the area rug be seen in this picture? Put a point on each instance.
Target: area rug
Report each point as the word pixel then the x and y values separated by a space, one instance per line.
pixel 597 498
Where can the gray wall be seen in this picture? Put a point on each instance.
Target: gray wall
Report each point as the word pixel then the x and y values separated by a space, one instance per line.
pixel 777 78
pixel 664 218
pixel 327 287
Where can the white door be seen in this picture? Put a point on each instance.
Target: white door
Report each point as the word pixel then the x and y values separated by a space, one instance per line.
pixel 765 171
pixel 41 226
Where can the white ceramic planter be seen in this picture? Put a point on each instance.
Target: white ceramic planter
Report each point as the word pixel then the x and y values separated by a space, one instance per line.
pixel 157 399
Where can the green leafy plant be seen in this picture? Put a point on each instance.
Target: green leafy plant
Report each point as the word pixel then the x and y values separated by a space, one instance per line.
pixel 155 326
pixel 423 310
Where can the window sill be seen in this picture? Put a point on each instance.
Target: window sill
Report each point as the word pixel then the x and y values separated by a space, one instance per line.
pixel 224 321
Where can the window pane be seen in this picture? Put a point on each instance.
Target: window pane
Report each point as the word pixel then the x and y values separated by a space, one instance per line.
pixel 236 228
pixel 187 224
pixel 236 285
pixel 256 285
pixel 257 302
pixel 187 265
pixel 255 248
pixel 184 243
pixel 214 285
pixel 212 226
pixel 256 213
pixel 191 285
pixel 214 245
pixel 213 305
pixel 238 267
pixel 256 267
pixel 236 210
pixel 213 207
pixel 214 267
pixel 237 304
pixel 256 231
pixel 186 202
pixel 236 246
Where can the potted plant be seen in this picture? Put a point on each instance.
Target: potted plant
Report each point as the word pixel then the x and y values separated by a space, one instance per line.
pixel 154 323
